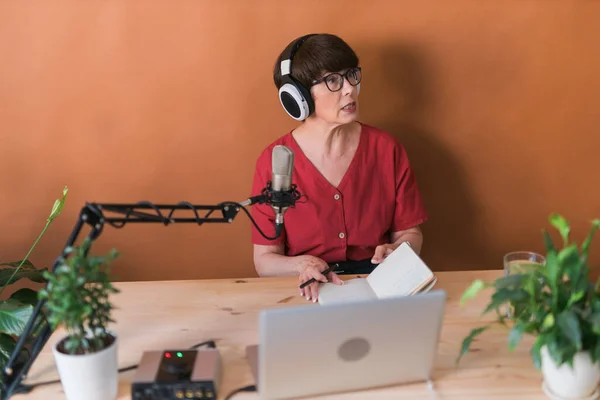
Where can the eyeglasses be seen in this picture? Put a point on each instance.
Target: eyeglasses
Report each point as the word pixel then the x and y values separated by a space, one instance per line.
pixel 335 80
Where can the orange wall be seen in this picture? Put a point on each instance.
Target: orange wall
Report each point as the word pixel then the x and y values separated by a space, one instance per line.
pixel 496 102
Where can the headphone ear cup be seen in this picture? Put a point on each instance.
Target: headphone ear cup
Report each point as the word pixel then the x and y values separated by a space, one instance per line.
pixel 293 101
pixel 307 96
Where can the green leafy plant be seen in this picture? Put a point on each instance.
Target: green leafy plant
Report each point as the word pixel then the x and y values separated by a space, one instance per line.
pixel 77 297
pixel 16 311
pixel 557 303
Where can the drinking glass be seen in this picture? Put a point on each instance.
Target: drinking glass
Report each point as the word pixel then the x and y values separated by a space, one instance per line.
pixel 521 261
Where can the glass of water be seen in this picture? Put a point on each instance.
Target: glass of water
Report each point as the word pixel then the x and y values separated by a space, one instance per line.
pixel 520 262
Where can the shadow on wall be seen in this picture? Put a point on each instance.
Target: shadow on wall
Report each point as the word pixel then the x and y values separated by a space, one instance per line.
pixel 403 75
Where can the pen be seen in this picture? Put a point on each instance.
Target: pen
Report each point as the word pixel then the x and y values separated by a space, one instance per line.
pixel 311 280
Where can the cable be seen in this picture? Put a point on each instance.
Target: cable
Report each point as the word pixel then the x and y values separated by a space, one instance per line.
pixel 255 224
pixel 191 207
pixel 27 388
pixel 249 388
pixel 210 343
pixel 130 212
pixel 241 207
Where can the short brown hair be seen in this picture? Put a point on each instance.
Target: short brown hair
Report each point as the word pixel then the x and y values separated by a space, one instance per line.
pixel 318 54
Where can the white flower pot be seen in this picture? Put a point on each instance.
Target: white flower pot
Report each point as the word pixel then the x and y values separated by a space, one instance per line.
pixel 566 383
pixel 88 376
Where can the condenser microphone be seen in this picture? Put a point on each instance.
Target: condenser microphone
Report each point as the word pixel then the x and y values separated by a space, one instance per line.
pixel 282 166
pixel 279 193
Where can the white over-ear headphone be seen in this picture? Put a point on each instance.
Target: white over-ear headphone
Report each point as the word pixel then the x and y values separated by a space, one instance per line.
pixel 295 98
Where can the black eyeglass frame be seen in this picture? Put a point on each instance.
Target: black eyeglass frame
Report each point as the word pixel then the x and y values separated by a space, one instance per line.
pixel 345 75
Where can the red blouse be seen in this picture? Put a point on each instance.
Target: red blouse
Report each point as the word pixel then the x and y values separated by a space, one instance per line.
pixel 377 195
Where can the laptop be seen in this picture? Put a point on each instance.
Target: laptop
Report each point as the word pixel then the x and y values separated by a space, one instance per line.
pixel 314 349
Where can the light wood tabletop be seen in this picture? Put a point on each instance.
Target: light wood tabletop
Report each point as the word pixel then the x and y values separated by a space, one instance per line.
pixel 179 314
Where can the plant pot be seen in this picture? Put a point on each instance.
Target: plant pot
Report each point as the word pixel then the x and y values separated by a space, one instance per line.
pixel 88 376
pixel 566 383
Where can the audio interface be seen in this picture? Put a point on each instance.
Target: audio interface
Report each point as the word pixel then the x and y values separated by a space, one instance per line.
pixel 177 374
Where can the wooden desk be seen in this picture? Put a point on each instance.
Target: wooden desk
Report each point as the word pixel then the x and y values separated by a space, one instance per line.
pixel 160 315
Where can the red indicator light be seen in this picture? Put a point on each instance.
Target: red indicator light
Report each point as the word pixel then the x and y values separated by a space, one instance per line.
pixel 168 355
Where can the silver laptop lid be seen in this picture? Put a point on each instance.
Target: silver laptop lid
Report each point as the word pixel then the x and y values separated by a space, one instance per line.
pixel 317 349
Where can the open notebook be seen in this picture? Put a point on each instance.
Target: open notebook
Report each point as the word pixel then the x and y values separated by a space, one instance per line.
pixel 402 273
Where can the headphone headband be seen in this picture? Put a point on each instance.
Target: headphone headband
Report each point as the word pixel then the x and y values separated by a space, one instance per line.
pixel 288 55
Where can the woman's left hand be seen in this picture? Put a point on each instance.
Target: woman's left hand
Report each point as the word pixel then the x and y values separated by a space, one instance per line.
pixel 382 251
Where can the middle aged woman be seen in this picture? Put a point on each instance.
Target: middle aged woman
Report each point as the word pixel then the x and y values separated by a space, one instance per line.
pixel 362 199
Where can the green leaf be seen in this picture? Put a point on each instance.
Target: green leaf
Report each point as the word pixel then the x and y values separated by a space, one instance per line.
pixel 26 264
pixel 511 280
pixel 569 256
pixel 505 296
pixel 552 269
pixel 569 325
pixel 555 350
pixel 562 225
pixel 466 344
pixel 596 352
pixel 548 241
pixel 58 205
pixel 588 240
pixel 533 287
pixel 548 321
pixel 595 302
pixel 536 351
pixel 515 335
pixel 14 316
pixel 27 271
pixel 472 291
pixel 25 296
pixel 7 345
pixel 569 262
pixel 575 297
pixel 595 322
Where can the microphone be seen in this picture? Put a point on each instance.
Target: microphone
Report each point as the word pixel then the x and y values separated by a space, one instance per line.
pixel 282 166
pixel 280 193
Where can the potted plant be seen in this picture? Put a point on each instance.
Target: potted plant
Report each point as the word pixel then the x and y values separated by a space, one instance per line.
pixel 17 309
pixel 559 306
pixel 77 298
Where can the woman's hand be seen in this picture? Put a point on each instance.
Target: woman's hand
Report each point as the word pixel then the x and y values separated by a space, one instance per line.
pixel 312 267
pixel 382 251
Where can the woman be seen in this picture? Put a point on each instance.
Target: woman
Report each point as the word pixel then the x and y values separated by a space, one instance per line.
pixel 361 199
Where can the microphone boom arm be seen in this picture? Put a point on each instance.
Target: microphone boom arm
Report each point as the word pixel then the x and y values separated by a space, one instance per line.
pixel 118 215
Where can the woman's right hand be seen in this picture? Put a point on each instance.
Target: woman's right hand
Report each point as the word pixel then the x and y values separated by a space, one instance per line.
pixel 312 267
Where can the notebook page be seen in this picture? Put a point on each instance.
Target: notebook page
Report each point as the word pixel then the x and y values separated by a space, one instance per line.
pixel 352 290
pixel 400 273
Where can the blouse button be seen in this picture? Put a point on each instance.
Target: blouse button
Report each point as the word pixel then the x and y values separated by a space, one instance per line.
pixel 341 235
pixel 336 196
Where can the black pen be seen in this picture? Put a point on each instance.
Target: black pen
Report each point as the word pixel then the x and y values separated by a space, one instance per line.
pixel 311 280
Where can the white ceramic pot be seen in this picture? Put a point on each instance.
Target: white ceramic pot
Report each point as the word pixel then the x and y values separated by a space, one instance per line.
pixel 89 376
pixel 564 382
